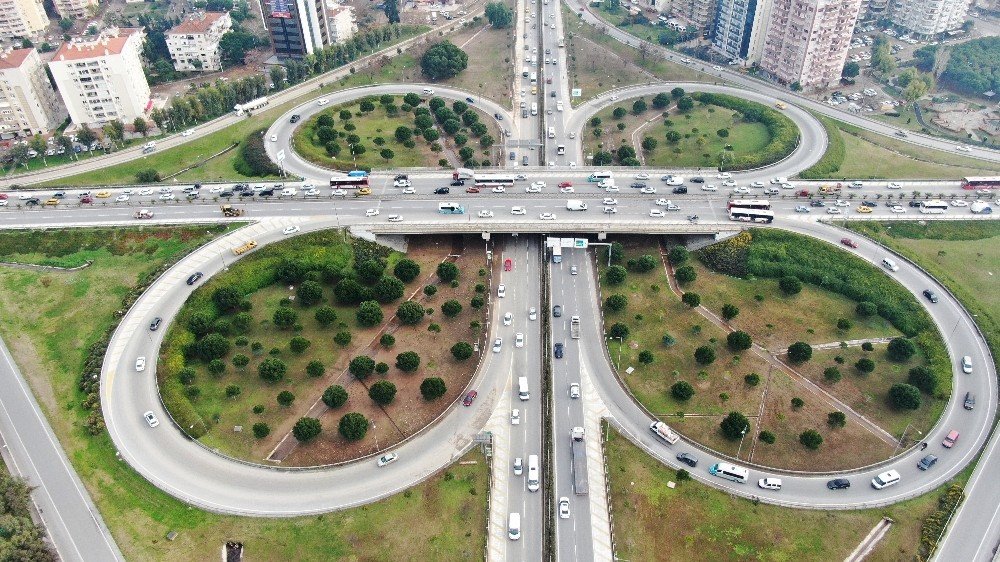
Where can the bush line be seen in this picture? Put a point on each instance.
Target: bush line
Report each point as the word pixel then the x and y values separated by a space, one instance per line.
pixel 783 132
pixel 833 158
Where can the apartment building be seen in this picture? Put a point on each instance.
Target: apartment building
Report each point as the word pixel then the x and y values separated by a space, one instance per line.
pixel 872 10
pixel 739 29
pixel 699 13
pixel 194 43
pixel 29 104
pixel 341 25
pixel 301 27
pixel 930 17
pixel 75 9
pixel 807 41
pixel 22 18
pixel 100 79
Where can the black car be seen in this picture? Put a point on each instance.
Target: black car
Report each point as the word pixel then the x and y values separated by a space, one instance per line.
pixel 196 186
pixel 557 310
pixel 266 192
pixel 155 324
pixel 226 193
pixel 914 203
pixel 59 194
pixel 558 350
pixel 688 459
pixel 470 100
pixel 869 204
pixel 442 191
pixel 295 118
pixel 817 203
pixel 970 401
pixel 400 177
pixel 32 202
pixel 638 185
pixel 926 462
pixel 931 295
pixel 459 183
pixel 498 116
pixel 682 189
pixel 195 277
pixel 698 179
pixel 839 484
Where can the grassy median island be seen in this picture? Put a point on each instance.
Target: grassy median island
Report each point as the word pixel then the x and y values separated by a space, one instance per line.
pixel 692 366
pixel 49 321
pixel 695 522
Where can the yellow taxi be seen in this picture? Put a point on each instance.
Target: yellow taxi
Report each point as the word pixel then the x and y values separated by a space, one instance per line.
pixel 104 194
pixel 863 209
pixel 52 202
pixel 362 191
pixel 781 105
pixel 534 90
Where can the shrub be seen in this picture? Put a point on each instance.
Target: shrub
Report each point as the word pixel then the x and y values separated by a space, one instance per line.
pixel 410 312
pixel 790 285
pixel 285 317
pixel 298 344
pixel 361 367
pixel 461 350
pixel 315 369
pixel 240 361
pixel 382 392
pixel 704 355
pixel 923 378
pixel 353 426
pixel 272 370
pixel 432 388
pixel 369 314
pixel 646 357
pixel 451 308
pixel 643 264
pixel 753 379
pixel 691 299
pixel 408 361
pixel 309 293
pixel 900 349
pixel 866 309
pixel 217 367
pixel 831 374
pixel 811 439
pixel 685 275
pixel 388 289
pixel 381 367
pixel 739 341
pixel 867 346
pixel 865 365
pixel 307 429
pixel 342 338
pixel 767 437
pixel 406 270
pixel 797 403
pixel 430 290
pixel 729 311
pixel 668 340
pixel 285 398
pixel 682 390
pixel 334 396
pixel 149 175
pixel 447 271
pixel 678 255
pixel 325 316
pixel 836 419
pixel 844 324
pixel 800 352
pixel 477 302
pixel 232 391
pixel 616 303
pixel 734 426
pixel 615 275
pixel 683 475
pixel 261 430
pixel 186 376
pixel 904 396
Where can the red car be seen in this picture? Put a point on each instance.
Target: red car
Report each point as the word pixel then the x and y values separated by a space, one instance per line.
pixel 849 243
pixel 470 397
pixel 566 184
pixel 86 200
pixel 3 196
pixel 472 190
pixel 507 264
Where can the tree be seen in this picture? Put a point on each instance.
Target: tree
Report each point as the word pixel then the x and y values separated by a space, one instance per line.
pixel 678 255
pixel 361 367
pixel 447 271
pixel 451 308
pixel 704 355
pixel 499 15
pixel 285 317
pixel 369 314
pixel 309 293
pixel 638 106
pixel 729 311
pixel 797 403
pixel 477 302
pixel 795 86
pixel 739 341
pixel 212 346
pixel 685 104
pixel 722 133
pixel 388 289
pixel 272 370
pixel 298 344
pixel 685 275
pixel 443 60
pixel 615 275
pixel 595 121
pixel 147 176
pixel 618 331
pixel 408 361
pixel 382 392
pixel 240 361
pixel 353 426
pixel 217 367
pixel 677 93
pixel 334 396
pixel 410 312
pixel 616 303
pixel 114 131
pixel 461 350
pixel 836 419
pixel 285 398
pixel 370 271
pixel 767 437
pixel 315 369
pixel 643 264
pixel 227 299
pixel 619 113
pixel 811 439
pixel 753 379
pixel 867 346
pixel 900 349
pixel 691 299
pixel 306 429
pixel 831 374
pixel 734 426
pixel 387 340
pixel 140 126
pixel 391 9
pixel 406 270
pixel 923 378
pixel 673 136
pixel 234 45
pixel 790 285
pixel 432 388
pixel 800 352
pixel 403 134
pixel 646 357
pixel 342 338
pixel 661 101
pixel 843 324
pixel 232 391
pixel 682 390
pixel 326 315
pixel 261 430
pixel 649 144
pixel 865 366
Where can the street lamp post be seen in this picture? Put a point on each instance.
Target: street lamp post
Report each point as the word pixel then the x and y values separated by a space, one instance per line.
pixel 743 435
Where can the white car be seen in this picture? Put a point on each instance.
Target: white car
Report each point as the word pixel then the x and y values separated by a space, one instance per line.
pixel 567 189
pixel 486 214
pixel 166 189
pixel 894 185
pixel 274 138
pixel 723 176
pixel 741 189
pixel 770 483
pixel 708 187
pixel 25 196
pixel 786 185
pixel 121 198
pixel 532 314
pixel 963 148
pixel 518 466
pixel 648 190
pixel 642 176
pixel 610 210
pixel 167 196
pixel 290 230
pixel 501 290
pixel 150 418
pixel 614 98
pixel 508 319
pixel 497 344
pixel 323 101
pixel 140 364
pixel 801 209
pixel 728 183
pixel 311 192
pixel 609 201
pixel 757 184
pixel 672 207
pixel 371 212
pixel 897 209
pixel 387 458
pixel 289 192
pixel 215 189
pixel 841 203
pixel 401 183
pixel 959 203
pixel 395 218
pixel 563 508
pixel 532 189
pixel 409 190
pixel 520 177
pixel 499 189
pixel 656 213
pixel 338 193
pixel 574 390
pixel 518 211
pixel 146 191
pixel 547 216
pixel 187 133
pixel 519 340
pixel 834 211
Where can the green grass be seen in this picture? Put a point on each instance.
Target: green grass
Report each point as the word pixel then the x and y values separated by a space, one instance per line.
pixel 695 522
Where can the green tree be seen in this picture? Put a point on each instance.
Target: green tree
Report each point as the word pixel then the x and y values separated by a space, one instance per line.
pixel 499 15
pixel 678 255
pixel 734 426
pixel 369 314
pixel 767 437
pixel 677 93
pixel 432 388
pixel 619 113
pixel 729 311
pixel 851 70
pixel 685 104
pixel 704 355
pixel 307 429
pixel 447 271
pixel 406 270
pixel 843 324
pixel 232 391
pixel 900 349
pixel 315 369
pixel 682 390
pixel 811 439
pixel 147 176
pixel 739 341
pixel 334 396
pixel 616 303
pixel 353 426
pixel 388 289
pixel 408 361
pixel 836 419
pixel 403 134
pixel 217 367
pixel 326 315
pixel 461 350
pixel 410 312
pixel 661 101
pixel 240 361
pixel 285 317
pixel 387 340
pixel 361 367
pixel 299 344
pixel 649 144
pixel 753 379
pixel 790 285
pixel 285 398
pixel 800 352
pixel 382 392
pixel 615 275
pixel 685 275
pixel 866 309
pixel 797 403
pixel 865 366
pixel 261 430
pixel 646 357
pixel 272 370
pixel 831 374
pixel 233 47
pixel 923 378
pixel 451 308
pixel 691 299
pixel 342 338
pixel 638 106
pixel 443 60
pixel 212 346
pixel 618 330
pixel 309 293
pixel 391 9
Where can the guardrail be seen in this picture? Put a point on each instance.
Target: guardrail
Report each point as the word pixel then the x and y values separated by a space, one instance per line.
pixel 534 227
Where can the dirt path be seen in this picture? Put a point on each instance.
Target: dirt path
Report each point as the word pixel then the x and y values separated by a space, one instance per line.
pixel 636 143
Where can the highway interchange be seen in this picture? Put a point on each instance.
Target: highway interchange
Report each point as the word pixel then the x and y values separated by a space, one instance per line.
pixel 203 478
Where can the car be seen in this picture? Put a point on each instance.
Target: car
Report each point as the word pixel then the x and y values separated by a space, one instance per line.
pixel 532 313
pixel 371 212
pixel 518 211
pixel 656 213
pixel 32 201
pixel 834 211
pixel 401 183
pixel 849 242
pixel 856 185
pixel 741 189
pixel 471 189
pixel 386 459
pixel 967 365
pixel 612 189
pixel 708 187
pixel 51 202
pixel 642 176
pixel 959 203
pixel 146 191
pixel 638 185
pixel 155 324
pixel 195 277
pixel 817 203
pixel 274 138
pixel 931 295
pixel 574 390
pixel 573 270
pixel 563 508
pixel 841 203
pixel 557 350
pixel 648 190
pixel 894 185
pixel 215 189
pixel 515 417
pixel 290 229
pixel 501 290
pixel 900 134
pixel 688 459
pixel 723 175
pixel 470 397
pixel 408 191
pixel 609 201
pixel 885 479
pixel 561 184
pixel 508 318
pixel 59 194
pixel 323 101
pixel 140 364
pixel 442 191
pixel 838 484
pixel 863 209
pixel 567 190
pixel 697 179
pixel 499 189
pixel 497 345
pixel 170 196
pixel 970 401
pixel 548 216
pixel 395 218
pixel 572 135
pixel 507 263
pixel 731 183
pixel 295 118
pixel 963 148
pixel 897 209
pixel 801 209
pixel 769 483
pixel 104 194
pixel 556 310
pixel 518 466
pixel 470 100
pixel 532 189
pixel 85 200
pixel 927 462
pixel 150 418
pixel 757 184
pixel 187 133
pixel 950 439
pixel 485 214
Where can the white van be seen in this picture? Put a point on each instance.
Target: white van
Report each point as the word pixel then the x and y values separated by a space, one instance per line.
pixel 552 132
pixel 534 108
pixel 514 526
pixel 889 264
pixel 532 473
pixel 886 479
pixel 522 388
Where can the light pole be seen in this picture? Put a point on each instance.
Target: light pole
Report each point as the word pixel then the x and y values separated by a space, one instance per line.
pixel 743 435
pixel 372 423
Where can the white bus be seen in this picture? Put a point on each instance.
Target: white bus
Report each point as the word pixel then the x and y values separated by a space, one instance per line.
pixel 729 472
pixel 751 215
pixel 760 204
pixel 494 180
pixel 533 473
pixel 557 254
pixel 598 176
pixel 935 207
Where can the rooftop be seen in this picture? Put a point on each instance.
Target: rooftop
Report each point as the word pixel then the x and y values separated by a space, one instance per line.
pixel 13 58
pixel 198 22
pixel 109 42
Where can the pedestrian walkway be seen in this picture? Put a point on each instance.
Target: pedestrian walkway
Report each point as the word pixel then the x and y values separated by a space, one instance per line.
pixel 594 411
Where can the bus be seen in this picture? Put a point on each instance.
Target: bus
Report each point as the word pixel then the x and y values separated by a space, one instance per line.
pixel 451 209
pixel 729 472
pixel 349 181
pixel 935 207
pixel 751 215
pixel 981 182
pixel 598 176
pixel 357 174
pixel 759 204
pixel 494 180
pixel 557 254
pixel 534 78
pixel 250 106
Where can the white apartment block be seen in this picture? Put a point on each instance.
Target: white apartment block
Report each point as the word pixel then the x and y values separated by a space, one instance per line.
pixel 21 18
pixel 340 23
pixel 74 9
pixel 807 41
pixel 29 104
pixel 739 28
pixel 930 17
pixel 194 43
pixel 100 79
pixel 699 13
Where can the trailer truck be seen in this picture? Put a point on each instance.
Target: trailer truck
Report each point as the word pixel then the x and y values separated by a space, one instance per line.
pixel 579 451
pixel 664 432
pixel 574 327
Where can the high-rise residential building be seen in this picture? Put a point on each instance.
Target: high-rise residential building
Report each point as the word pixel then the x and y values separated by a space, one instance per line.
pixel 739 28
pixel 100 78
pixel 22 18
pixel 699 13
pixel 74 9
pixel 297 27
pixel 872 10
pixel 807 41
pixel 194 43
pixel 340 23
pixel 930 17
pixel 29 104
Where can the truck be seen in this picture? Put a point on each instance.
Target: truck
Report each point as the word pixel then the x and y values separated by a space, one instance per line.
pixel 574 327
pixel 143 214
pixel 462 174
pixel 981 208
pixel 250 106
pixel 240 250
pixel 579 450
pixel 230 211
pixel 576 205
pixel 664 432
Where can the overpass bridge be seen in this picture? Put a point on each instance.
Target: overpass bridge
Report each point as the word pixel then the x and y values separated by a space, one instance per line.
pixel 717 230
